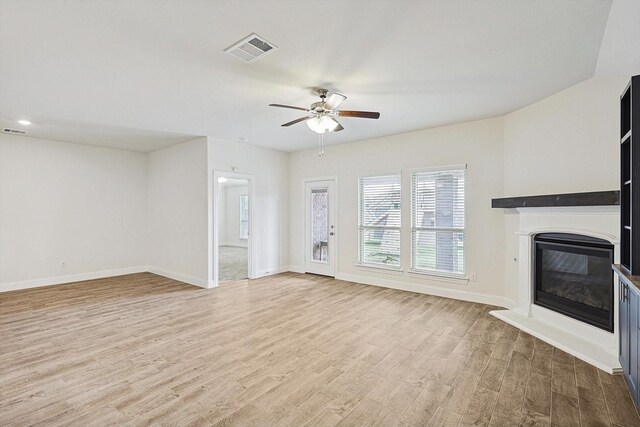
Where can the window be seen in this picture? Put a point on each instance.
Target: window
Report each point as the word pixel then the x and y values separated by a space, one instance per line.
pixel 244 216
pixel 379 220
pixel 437 220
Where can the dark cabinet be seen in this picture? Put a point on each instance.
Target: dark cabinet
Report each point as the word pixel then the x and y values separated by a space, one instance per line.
pixel 630 176
pixel 629 323
pixel 629 270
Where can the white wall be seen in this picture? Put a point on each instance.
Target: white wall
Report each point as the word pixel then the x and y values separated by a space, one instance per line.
pixel 178 212
pixel 109 210
pixel 568 142
pixel 479 144
pixel 229 210
pixel 270 169
pixel 80 204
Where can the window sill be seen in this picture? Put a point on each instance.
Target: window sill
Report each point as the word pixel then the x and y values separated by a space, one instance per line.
pixel 460 279
pixel 396 270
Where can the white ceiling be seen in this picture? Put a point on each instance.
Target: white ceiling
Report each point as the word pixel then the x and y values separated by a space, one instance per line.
pixel 143 75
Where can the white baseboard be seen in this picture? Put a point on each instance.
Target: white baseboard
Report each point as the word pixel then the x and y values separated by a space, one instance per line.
pixel 427 289
pixel 70 278
pixel 271 271
pixel 58 280
pixel 203 283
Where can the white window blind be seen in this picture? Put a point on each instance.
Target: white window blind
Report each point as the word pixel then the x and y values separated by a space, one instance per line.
pixel 379 213
pixel 437 221
pixel 244 216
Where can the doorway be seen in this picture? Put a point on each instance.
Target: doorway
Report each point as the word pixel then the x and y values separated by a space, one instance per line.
pixel 320 230
pixel 232 243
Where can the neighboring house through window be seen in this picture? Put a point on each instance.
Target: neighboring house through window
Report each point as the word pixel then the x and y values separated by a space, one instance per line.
pixel 438 220
pixel 379 211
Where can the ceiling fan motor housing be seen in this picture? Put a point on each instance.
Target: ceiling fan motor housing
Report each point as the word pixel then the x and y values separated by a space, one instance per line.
pixel 317 106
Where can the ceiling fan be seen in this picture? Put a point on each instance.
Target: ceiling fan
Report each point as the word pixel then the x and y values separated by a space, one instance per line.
pixel 321 116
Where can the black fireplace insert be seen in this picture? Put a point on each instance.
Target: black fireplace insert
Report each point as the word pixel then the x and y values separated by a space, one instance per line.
pixel 573 276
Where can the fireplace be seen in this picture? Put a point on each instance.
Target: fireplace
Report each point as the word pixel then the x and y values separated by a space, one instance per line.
pixel 573 276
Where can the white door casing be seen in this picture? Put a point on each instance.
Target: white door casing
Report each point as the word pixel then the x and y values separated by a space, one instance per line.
pixel 320 227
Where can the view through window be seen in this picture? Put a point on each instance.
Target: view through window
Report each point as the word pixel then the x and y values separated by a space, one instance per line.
pixel 437 228
pixel 379 220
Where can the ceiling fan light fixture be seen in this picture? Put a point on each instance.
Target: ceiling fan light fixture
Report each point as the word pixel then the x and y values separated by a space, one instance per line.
pixel 322 124
pixel 329 123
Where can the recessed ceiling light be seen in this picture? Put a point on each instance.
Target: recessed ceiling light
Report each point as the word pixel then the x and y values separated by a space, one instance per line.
pixel 222 179
pixel 24 122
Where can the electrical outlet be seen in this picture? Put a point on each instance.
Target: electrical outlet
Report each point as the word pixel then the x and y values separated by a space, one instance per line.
pixel 473 277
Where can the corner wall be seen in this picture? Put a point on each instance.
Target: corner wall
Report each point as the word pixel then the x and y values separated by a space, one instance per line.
pixel 72 203
pixel 177 225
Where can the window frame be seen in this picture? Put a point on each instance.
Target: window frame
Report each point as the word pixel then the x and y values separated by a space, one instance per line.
pixel 413 229
pixel 361 227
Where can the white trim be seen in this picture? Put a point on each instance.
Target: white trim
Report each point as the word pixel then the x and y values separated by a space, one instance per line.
pixel 320 178
pixel 376 175
pixel 538 230
pixel 570 210
pixel 458 167
pixel 333 206
pixel 364 265
pixel 428 289
pixel 59 280
pixel 190 280
pixel 461 279
pixel 214 234
pixel 272 271
pixel 563 339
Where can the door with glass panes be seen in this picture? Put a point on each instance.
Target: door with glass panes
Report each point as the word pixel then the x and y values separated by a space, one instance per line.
pixel 320 230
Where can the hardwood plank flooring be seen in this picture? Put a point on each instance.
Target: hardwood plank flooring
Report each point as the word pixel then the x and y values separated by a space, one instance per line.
pixel 287 350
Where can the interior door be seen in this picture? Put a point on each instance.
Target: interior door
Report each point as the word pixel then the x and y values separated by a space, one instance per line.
pixel 320 230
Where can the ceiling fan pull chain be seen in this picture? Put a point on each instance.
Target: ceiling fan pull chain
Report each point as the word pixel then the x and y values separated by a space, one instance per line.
pixel 320 144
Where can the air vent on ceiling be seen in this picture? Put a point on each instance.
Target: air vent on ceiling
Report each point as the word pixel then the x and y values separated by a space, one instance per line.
pixel 251 48
pixel 14 131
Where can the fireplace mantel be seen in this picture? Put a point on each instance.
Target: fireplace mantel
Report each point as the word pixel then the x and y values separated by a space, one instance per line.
pixel 591 344
pixel 593 198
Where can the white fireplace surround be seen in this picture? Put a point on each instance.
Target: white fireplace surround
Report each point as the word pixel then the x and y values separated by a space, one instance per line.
pixel 587 342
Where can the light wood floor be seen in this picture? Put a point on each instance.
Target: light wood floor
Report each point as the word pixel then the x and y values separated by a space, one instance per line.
pixel 288 350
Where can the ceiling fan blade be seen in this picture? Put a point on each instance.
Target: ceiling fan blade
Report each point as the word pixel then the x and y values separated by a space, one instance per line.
pixel 333 101
pixel 293 122
pixel 360 114
pixel 289 106
pixel 337 128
